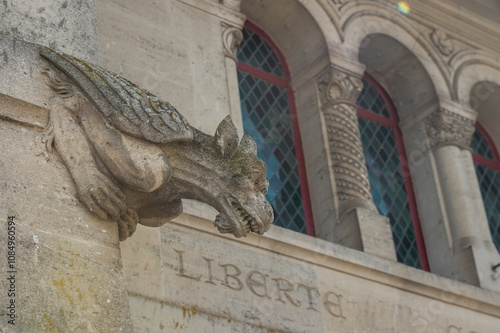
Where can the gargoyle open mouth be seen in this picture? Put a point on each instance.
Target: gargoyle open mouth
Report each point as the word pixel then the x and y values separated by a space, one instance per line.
pixel 245 219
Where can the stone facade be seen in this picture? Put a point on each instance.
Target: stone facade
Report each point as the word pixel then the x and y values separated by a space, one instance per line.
pixel 440 65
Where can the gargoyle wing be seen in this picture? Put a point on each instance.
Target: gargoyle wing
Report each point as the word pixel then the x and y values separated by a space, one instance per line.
pixel 124 105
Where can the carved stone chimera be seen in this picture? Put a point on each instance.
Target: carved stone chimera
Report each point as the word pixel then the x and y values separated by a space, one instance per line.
pixel 133 157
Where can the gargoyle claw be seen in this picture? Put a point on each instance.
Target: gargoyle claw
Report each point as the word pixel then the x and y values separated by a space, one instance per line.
pixel 102 197
pixel 127 224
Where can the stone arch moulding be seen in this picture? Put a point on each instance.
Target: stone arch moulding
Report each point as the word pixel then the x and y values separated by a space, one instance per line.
pixel 358 25
pixel 471 67
pixel 477 86
pixel 302 25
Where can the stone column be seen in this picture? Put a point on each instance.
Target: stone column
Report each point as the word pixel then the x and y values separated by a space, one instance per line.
pixel 64 270
pixel 359 225
pixel 449 130
pixel 231 39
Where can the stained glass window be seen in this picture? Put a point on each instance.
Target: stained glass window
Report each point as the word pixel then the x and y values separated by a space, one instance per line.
pixel 388 172
pixel 266 99
pixel 487 163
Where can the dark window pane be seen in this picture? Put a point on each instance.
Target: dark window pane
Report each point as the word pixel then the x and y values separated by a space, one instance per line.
pixel 266 118
pixel 256 52
pixel 480 146
pixel 372 101
pixel 489 182
pixel 386 177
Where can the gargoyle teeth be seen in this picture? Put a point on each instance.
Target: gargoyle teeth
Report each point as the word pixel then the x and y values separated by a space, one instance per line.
pixel 245 218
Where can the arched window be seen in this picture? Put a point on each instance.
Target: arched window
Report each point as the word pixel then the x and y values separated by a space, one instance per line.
pixel 269 116
pixel 390 180
pixel 487 163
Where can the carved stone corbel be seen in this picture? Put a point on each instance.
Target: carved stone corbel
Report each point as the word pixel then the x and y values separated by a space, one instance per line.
pixel 231 39
pixel 338 91
pixel 134 157
pixel 443 42
pixel 445 127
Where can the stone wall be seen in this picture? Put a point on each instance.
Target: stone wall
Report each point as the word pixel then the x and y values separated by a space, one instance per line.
pixel 72 274
pixel 61 267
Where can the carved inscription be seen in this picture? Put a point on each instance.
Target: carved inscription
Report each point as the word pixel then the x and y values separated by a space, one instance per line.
pixel 456 329
pixel 276 289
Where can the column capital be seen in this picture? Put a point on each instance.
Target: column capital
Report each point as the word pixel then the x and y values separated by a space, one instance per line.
pixel 338 85
pixel 448 127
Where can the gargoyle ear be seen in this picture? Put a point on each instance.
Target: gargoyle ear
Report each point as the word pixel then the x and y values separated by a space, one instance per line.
pixel 226 137
pixel 248 145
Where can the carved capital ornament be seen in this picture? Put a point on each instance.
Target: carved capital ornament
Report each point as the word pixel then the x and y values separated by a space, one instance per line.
pixel 133 157
pixel 445 127
pixel 335 85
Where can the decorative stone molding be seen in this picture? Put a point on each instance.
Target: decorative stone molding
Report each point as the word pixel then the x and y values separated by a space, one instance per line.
pixel 338 91
pixel 338 86
pixel 445 127
pixel 134 157
pixel 231 39
pixel 443 42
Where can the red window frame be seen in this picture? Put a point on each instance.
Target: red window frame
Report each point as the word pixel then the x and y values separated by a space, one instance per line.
pixel 483 160
pixel 393 123
pixel 285 83
pixel 493 164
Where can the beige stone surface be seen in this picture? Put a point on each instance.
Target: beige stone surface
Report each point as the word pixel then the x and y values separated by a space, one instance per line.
pixel 169 55
pixel 67 267
pixel 311 286
pixel 69 26
pixel 174 48
pixel 22 79
pixel 211 281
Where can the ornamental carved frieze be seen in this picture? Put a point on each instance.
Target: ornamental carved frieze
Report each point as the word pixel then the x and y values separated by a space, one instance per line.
pixel 442 42
pixel 231 39
pixel 133 157
pixel 445 127
pixel 335 85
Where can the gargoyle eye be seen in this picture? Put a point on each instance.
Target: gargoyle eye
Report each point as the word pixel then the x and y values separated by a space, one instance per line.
pixel 254 173
pixel 237 176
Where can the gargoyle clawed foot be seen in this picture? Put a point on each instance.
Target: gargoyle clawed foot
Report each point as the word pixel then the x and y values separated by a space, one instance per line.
pixel 127 224
pixel 100 195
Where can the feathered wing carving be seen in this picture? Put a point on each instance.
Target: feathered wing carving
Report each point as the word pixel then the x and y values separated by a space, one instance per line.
pixel 123 104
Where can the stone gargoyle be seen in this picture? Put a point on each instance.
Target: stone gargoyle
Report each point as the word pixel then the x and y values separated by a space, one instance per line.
pixel 134 157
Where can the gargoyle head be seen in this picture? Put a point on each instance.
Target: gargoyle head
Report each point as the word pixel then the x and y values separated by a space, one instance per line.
pixel 243 206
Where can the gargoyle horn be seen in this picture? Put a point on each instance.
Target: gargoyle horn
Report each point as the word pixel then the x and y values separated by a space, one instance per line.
pixel 226 138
